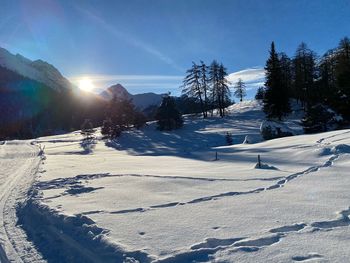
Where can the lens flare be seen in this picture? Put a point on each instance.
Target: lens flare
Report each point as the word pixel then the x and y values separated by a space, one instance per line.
pixel 86 84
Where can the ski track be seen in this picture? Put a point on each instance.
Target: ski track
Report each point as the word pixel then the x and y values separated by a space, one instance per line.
pixel 18 169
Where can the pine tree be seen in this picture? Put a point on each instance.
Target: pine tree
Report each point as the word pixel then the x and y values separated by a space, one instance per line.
pixel 168 117
pixel 240 89
pixel 342 72
pixel 276 100
pixel 260 93
pixel 215 86
pixel 304 75
pixel 192 85
pixel 286 72
pixel 318 118
pixel 205 86
pixel 327 79
pixel 224 90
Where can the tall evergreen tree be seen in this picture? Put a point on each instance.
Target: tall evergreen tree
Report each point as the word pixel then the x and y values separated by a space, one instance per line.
pixel 192 85
pixel 342 72
pixel 304 75
pixel 220 87
pixel 276 100
pixel 240 89
pixel 205 86
pixel 168 116
pixel 286 72
pixel 327 80
pixel 215 86
pixel 260 93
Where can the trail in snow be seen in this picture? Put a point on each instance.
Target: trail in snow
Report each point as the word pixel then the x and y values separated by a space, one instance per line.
pixel 18 161
pixel 204 250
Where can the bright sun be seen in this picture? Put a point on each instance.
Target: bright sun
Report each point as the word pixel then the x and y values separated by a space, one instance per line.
pixel 86 84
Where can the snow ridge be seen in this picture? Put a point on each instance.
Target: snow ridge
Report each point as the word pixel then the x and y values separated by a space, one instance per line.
pixel 38 70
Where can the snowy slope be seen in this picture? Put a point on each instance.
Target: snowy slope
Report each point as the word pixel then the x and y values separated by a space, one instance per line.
pixel 162 197
pixel 38 70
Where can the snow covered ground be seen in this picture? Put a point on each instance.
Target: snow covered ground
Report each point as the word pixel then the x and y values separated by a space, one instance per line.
pixel 162 197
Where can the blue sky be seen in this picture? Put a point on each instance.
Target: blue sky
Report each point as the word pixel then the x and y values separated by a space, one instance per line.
pixel 147 45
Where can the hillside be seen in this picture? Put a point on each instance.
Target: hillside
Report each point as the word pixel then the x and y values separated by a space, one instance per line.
pixel 154 196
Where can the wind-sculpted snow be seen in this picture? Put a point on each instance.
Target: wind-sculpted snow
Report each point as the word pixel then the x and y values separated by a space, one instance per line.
pixel 62 238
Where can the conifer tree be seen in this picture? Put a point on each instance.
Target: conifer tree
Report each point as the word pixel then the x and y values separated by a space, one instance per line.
pixel 260 93
pixel 304 75
pixel 205 86
pixel 224 89
pixel 215 86
pixel 286 72
pixel 240 89
pixel 168 116
pixel 192 85
pixel 276 100
pixel 342 72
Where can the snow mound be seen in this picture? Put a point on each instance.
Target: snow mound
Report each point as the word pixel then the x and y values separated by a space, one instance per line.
pixel 338 149
pixel 265 166
pixel 341 148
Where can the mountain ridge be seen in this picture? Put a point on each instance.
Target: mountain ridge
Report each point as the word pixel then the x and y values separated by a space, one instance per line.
pixel 37 70
pixel 141 100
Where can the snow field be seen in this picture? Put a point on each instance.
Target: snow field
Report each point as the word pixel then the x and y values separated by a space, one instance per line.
pixel 161 197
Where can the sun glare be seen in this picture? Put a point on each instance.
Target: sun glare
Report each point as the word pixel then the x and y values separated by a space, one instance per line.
pixel 86 84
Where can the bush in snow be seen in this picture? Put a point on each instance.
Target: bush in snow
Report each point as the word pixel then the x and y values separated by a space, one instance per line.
pixel 110 130
pixel 319 118
pixel 273 129
pixel 87 129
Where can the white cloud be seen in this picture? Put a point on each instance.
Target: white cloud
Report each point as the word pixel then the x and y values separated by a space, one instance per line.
pixel 251 76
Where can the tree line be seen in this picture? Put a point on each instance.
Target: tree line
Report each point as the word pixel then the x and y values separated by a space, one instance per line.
pixel 320 84
pixel 209 86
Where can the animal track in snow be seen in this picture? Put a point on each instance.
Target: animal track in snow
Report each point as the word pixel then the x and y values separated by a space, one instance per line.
pixel 307 257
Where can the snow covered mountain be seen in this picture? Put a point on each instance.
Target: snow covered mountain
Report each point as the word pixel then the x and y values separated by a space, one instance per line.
pixel 141 101
pixel 37 70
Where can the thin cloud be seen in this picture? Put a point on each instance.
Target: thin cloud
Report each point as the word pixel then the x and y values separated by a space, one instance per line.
pixel 140 83
pixel 106 77
pixel 130 39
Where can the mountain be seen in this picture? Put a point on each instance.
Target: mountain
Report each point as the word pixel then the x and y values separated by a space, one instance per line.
pixel 36 100
pixel 37 70
pixel 141 101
